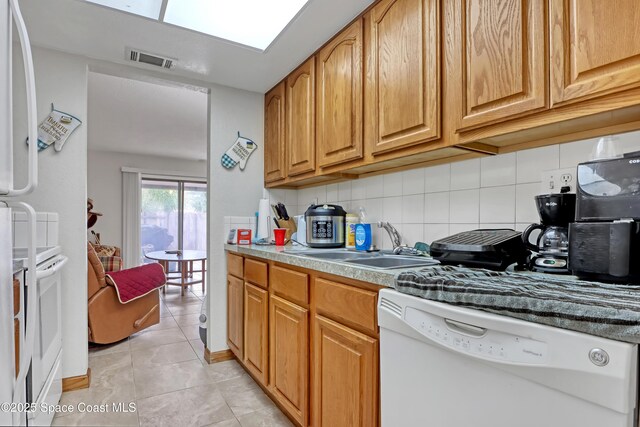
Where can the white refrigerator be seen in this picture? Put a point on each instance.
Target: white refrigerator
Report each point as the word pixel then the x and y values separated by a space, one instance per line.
pixel 12 375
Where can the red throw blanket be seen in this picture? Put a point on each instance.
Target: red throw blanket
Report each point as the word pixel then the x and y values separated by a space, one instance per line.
pixel 134 283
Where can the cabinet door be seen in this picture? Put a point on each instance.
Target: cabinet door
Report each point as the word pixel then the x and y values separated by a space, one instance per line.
pixel 345 376
pixel 256 313
pixel 274 128
pixel 498 60
pixel 595 47
pixel 289 356
pixel 339 97
pixel 235 302
pixel 300 108
pixel 403 74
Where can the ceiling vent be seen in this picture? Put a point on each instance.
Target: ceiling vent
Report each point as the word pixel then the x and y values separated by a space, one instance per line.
pixel 136 55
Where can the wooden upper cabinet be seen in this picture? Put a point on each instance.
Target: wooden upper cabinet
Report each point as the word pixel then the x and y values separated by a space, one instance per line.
pixel 274 133
pixel 595 48
pixel 498 63
pixel 339 95
pixel 402 74
pixel 300 122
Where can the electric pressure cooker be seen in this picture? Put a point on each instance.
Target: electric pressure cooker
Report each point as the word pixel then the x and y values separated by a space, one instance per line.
pixel 325 226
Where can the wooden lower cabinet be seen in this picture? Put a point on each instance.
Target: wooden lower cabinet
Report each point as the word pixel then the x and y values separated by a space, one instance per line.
pixel 235 303
pixel 256 336
pixel 345 376
pixel 310 341
pixel 289 356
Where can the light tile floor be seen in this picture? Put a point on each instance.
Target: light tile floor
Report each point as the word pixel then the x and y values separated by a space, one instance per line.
pixel 162 371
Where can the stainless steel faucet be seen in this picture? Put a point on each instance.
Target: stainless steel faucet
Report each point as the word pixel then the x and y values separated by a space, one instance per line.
pixel 396 239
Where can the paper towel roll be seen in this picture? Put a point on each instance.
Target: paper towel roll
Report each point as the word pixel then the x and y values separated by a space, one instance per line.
pixel 263 219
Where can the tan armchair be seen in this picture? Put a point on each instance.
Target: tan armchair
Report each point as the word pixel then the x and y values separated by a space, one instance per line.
pixel 109 319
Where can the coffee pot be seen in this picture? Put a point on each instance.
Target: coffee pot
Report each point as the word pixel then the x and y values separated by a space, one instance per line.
pixel 551 246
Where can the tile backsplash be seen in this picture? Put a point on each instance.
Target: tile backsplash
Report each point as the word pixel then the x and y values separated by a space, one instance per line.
pixel 426 204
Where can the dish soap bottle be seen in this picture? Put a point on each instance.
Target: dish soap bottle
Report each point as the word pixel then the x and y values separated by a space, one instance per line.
pixel 350 241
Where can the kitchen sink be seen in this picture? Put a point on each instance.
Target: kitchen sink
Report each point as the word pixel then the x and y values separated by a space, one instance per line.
pixel 380 260
pixel 342 255
pixel 393 261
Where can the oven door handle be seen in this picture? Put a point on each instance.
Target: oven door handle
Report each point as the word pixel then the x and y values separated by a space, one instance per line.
pixel 43 274
pixel 30 321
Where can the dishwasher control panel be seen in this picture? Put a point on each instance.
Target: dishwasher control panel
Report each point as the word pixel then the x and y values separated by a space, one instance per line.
pixel 476 340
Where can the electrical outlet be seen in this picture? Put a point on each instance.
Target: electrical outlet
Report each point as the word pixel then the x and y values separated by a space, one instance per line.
pixel 553 180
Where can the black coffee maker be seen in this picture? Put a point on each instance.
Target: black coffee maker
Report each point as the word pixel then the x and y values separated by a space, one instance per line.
pixel 551 249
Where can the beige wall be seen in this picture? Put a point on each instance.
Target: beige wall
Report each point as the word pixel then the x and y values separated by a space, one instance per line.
pixel 61 79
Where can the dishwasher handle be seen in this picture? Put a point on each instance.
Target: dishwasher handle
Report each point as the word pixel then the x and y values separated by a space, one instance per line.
pixel 465 328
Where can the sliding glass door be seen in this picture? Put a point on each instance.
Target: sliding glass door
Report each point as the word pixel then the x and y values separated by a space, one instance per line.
pixel 174 215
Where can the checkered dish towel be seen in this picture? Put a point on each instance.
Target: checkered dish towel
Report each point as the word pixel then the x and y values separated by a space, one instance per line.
pixel 605 310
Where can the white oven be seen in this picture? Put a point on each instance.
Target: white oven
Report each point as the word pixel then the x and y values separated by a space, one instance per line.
pixel 44 381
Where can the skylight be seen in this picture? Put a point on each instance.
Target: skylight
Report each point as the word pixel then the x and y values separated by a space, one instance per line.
pixel 146 8
pixel 254 23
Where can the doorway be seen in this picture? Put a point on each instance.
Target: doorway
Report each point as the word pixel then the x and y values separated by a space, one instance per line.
pixel 173 215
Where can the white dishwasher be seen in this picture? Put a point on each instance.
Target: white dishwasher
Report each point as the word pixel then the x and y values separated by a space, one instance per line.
pixel 446 366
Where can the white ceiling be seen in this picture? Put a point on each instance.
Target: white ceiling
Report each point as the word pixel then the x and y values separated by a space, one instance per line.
pixel 131 116
pixel 83 28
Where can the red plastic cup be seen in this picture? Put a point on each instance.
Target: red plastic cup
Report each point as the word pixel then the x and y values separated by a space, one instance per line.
pixel 279 235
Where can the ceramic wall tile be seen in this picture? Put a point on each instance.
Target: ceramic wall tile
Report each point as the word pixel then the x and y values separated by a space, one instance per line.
pixel 497 204
pixel 465 175
pixel 464 207
pixel 436 208
pixel 573 153
pixel 526 211
pixel 332 193
pixel 392 209
pixel 459 228
pixel 530 163
pixel 498 170
pixel 358 189
pixel 374 187
pixel 437 178
pixel 412 209
pixel 392 184
pixel 413 181
pixel 344 190
pixel 435 231
pixel 412 233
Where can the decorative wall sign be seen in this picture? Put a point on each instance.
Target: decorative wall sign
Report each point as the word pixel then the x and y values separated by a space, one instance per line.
pixel 56 129
pixel 238 153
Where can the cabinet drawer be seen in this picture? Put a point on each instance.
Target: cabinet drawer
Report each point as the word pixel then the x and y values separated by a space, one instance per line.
pixel 256 272
pixel 16 297
pixel 346 303
pixel 290 284
pixel 234 265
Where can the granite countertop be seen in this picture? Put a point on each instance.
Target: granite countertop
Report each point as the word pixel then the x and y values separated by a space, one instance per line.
pixel 337 268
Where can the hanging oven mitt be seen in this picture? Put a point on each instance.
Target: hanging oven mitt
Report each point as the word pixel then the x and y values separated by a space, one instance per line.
pixel 239 152
pixel 56 129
